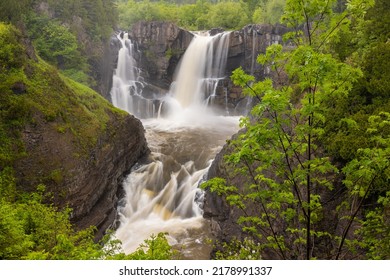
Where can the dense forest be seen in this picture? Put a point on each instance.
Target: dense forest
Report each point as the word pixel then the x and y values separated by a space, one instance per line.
pixel 202 14
pixel 317 141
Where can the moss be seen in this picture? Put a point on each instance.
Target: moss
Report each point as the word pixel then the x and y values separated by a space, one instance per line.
pixel 57 176
pixel 50 101
pixel 12 53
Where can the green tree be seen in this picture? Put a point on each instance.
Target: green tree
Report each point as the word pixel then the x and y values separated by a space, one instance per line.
pixel 273 10
pixel 13 11
pixel 289 174
pixel 367 175
pixel 31 229
pixel 229 15
pixel 154 248
pixel 56 44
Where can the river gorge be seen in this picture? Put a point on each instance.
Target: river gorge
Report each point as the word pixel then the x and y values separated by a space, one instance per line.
pixel 184 133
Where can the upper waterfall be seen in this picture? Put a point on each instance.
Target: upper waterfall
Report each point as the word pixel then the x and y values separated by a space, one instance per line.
pixel 200 69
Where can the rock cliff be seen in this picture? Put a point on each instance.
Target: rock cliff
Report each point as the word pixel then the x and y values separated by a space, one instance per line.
pixel 221 215
pixel 63 135
pixel 244 47
pixel 86 179
pixel 161 44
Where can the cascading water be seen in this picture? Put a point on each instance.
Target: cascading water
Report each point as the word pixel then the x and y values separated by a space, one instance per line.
pixel 127 84
pixel 161 193
pixel 200 70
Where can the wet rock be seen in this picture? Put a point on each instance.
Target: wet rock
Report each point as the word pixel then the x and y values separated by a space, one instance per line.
pixel 161 45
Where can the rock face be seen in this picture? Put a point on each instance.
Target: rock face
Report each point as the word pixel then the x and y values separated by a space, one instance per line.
pixel 244 47
pixel 88 183
pixel 158 49
pixel 222 217
pixel 162 44
pixel 247 43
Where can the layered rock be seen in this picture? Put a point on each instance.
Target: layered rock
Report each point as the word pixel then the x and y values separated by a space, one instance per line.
pixel 86 181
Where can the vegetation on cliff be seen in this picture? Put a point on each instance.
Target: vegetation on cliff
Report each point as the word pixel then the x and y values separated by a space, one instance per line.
pixel 71 34
pixel 314 155
pixel 31 92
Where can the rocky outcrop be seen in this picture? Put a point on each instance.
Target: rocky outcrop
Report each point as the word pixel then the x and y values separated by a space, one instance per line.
pixel 246 44
pixel 158 49
pixel 86 181
pixel 221 215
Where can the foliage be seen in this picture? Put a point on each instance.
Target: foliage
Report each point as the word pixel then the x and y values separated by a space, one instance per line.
pixel 273 11
pixel 201 15
pixel 154 248
pixel 11 53
pixel 364 44
pixel 12 11
pixel 288 175
pixel 230 15
pixel 30 229
pixel 56 44
pixel 97 16
pixel 240 250
pixel 367 174
pixel 69 34
pixel 33 230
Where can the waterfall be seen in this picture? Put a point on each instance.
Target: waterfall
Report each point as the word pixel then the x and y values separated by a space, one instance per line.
pixel 127 88
pixel 200 70
pixel 162 193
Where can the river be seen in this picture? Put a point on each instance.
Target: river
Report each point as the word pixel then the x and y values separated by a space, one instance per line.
pixel 184 134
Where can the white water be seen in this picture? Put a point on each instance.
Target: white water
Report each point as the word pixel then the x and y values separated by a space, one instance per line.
pixel 200 70
pixel 127 85
pixel 161 193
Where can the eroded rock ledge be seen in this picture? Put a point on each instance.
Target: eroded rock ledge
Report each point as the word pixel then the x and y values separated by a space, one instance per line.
pixel 88 183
